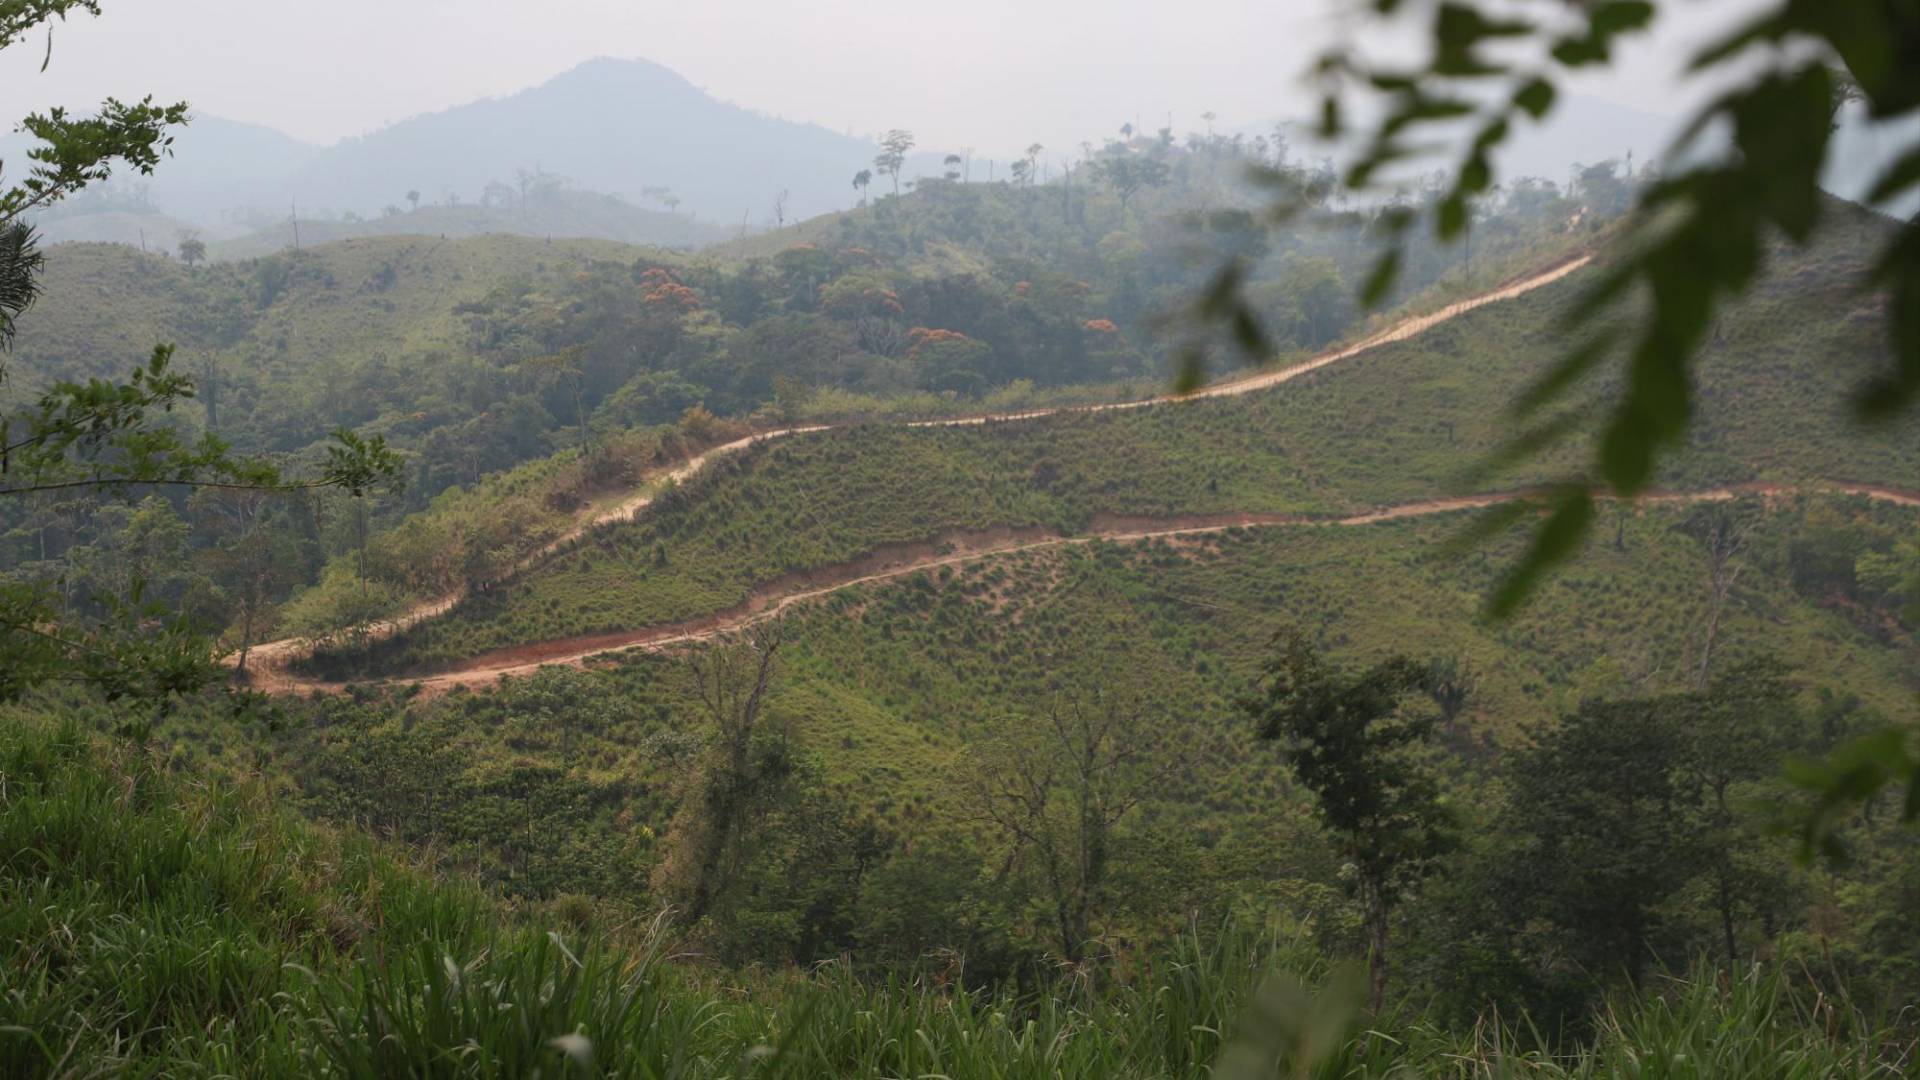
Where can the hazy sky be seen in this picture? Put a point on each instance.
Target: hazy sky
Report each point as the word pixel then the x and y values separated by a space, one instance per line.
pixel 990 74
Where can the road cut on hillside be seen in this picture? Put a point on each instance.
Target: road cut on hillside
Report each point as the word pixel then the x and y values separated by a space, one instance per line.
pixel 273 655
pixel 954 548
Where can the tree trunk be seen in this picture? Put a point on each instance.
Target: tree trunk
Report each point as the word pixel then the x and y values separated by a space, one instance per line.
pixel 1376 922
pixel 360 519
pixel 1706 647
pixel 246 637
pixel 1726 919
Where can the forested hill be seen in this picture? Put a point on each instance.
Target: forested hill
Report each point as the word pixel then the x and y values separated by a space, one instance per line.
pixel 477 353
pixel 287 347
pixel 1406 422
pixel 549 209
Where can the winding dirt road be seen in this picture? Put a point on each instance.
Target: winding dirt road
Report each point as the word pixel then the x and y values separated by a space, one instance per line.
pixel 959 547
pixel 268 660
pixel 1400 331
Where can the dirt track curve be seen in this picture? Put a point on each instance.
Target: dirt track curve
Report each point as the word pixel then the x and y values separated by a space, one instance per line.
pixel 955 548
pixel 272 657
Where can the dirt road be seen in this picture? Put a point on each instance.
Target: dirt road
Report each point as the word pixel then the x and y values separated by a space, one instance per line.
pixel 955 548
pixel 276 654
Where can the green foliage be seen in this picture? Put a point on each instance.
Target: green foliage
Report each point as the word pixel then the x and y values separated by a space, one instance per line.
pixel 1337 442
pixel 1630 835
pixel 440 347
pixel 1702 234
pixel 20 266
pixel 108 435
pixel 82 150
pixel 899 695
pixel 1853 776
pixel 164 927
pixel 100 436
pixel 75 152
pixel 1347 739
pixel 151 923
pixel 105 436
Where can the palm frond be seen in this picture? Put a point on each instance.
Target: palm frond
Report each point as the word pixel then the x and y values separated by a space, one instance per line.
pixel 20 263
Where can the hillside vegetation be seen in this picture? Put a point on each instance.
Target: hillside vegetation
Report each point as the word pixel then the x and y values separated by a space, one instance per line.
pixel 1406 422
pixel 548 211
pixel 891 683
pixel 603 582
pixel 167 928
pixel 474 356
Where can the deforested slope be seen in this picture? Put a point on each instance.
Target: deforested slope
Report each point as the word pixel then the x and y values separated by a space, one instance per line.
pixel 892 681
pixel 1402 423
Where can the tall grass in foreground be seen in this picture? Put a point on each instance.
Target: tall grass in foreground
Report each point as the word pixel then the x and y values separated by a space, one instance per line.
pixel 154 926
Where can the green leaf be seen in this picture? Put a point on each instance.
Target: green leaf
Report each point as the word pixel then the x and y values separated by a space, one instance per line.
pixel 1556 541
pixel 1619 16
pixel 1248 335
pixel 1535 97
pixel 1380 280
pixel 1191 374
pixel 1489 523
pixel 1330 127
pixel 1561 375
pixel 1526 444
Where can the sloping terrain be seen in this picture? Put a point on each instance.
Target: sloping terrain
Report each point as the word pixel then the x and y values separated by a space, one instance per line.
pixel 556 213
pixel 892 679
pixel 1395 425
pixel 104 306
pixel 771 600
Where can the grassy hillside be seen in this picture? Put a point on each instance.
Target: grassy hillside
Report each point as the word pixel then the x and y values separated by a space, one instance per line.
pixel 104 306
pixel 161 927
pixel 555 214
pixel 891 682
pixel 1400 424
pixel 892 697
pixel 473 356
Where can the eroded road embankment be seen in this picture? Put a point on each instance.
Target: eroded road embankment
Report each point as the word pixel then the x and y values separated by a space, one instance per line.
pixel 954 548
pixel 274 655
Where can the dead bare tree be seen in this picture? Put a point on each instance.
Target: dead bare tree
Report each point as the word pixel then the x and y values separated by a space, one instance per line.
pixel 728 785
pixel 880 336
pixel 1056 791
pixel 1722 532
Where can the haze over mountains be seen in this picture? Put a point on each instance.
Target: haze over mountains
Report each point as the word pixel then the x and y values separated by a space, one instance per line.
pixel 617 126
pixel 614 149
pixel 626 128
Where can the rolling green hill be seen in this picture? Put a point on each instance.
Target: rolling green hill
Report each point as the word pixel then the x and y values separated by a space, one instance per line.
pixel 476 355
pixel 1399 424
pixel 892 681
pixel 559 214
pixel 105 306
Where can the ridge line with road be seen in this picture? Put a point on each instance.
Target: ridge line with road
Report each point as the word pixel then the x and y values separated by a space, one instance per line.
pixel 278 654
pixel 959 547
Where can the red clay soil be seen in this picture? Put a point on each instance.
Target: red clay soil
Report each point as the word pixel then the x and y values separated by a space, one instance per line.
pixel 957 547
pixel 276 654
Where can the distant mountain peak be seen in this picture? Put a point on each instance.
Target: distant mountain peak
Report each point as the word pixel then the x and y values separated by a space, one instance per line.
pixel 629 127
pixel 607 72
